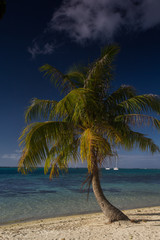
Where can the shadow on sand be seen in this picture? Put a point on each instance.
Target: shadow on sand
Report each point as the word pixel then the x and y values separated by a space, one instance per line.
pixel 146 214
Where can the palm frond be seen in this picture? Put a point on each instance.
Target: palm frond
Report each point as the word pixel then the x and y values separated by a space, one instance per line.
pixel 40 109
pixel 62 81
pixel 109 132
pixel 121 94
pixel 48 161
pixel 133 139
pixel 76 106
pixel 91 141
pixel 139 120
pixel 85 148
pixel 100 72
pixel 77 75
pixel 2 8
pixel 140 103
pixel 60 155
pixel 38 138
pixel 54 171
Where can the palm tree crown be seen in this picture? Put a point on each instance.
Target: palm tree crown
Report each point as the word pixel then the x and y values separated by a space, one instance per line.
pixel 89 120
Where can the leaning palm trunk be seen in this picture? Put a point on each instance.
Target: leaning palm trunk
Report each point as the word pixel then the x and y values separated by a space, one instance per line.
pixel 112 213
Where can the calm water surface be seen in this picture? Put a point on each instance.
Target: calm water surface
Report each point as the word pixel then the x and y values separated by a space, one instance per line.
pixel 34 196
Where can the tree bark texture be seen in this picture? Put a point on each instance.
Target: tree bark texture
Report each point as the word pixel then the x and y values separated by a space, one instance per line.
pixel 112 213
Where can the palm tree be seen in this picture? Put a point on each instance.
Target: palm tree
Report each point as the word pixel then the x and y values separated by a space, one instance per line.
pixel 87 123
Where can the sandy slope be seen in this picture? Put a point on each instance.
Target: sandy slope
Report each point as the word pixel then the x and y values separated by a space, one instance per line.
pixel 90 226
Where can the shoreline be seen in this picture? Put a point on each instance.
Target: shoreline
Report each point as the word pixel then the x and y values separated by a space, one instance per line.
pixel 67 216
pixel 86 226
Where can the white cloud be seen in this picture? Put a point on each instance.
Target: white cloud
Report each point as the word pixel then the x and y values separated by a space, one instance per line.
pixel 16 155
pixel 100 20
pixel 103 19
pixel 47 49
pixel 10 159
pixel 151 14
pixel 9 156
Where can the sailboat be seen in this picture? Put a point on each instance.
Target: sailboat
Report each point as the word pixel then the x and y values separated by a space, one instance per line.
pixel 116 168
pixel 107 168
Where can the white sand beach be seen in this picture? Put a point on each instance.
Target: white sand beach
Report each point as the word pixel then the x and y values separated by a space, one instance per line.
pixel 88 226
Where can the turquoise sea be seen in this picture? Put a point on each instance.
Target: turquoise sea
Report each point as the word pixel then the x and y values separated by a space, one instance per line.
pixel 34 196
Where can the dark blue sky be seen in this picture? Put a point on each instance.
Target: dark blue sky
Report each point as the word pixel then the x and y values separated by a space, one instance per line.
pixel 29 39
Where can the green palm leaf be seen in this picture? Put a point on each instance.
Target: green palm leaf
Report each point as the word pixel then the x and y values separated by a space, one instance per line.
pixel 90 140
pixel 138 140
pixel 37 139
pixel 121 94
pixel 139 120
pixel 62 81
pixel 100 72
pixel 141 103
pixel 40 109
pixel 77 106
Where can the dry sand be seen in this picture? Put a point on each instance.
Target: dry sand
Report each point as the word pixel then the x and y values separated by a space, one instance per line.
pixel 88 226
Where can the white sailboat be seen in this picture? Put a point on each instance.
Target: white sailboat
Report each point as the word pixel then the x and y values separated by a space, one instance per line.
pixel 108 163
pixel 116 168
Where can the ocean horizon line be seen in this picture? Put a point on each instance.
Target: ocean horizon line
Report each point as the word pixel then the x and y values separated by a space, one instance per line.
pixel 81 167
